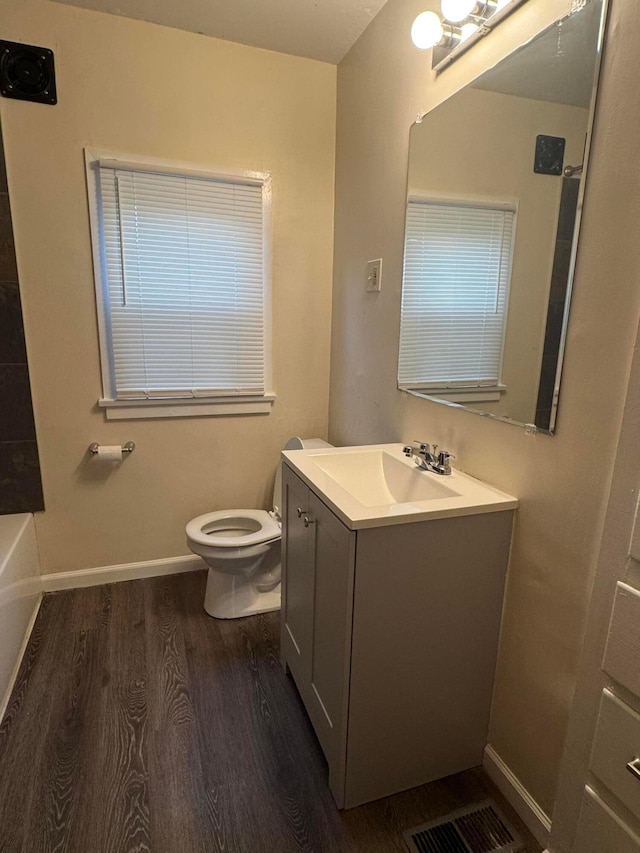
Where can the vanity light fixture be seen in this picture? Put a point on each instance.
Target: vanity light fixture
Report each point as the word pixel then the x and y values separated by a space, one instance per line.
pixel 457 11
pixel 461 24
pixel 428 31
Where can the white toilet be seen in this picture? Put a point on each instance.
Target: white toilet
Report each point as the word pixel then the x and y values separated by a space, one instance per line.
pixel 242 550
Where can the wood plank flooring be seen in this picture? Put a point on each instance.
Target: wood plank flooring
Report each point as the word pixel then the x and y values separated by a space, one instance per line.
pixel 138 723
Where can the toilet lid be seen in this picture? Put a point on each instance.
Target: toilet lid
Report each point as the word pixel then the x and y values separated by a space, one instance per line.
pixel 221 528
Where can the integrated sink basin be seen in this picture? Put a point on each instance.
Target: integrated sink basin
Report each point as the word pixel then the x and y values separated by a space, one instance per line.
pixel 374 485
pixel 376 477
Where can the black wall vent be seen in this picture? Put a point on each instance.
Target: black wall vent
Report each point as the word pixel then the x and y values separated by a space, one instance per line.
pixel 27 72
pixel 549 156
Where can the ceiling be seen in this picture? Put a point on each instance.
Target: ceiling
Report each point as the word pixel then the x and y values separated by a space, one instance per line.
pixel 316 29
pixel 557 66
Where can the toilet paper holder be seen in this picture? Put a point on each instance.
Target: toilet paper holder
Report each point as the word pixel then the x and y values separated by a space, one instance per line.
pixel 129 447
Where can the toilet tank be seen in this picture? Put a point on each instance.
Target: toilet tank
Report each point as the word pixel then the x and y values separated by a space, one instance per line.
pixel 294 443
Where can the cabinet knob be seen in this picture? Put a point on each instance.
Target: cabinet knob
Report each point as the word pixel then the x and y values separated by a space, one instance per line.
pixel 308 521
pixel 300 512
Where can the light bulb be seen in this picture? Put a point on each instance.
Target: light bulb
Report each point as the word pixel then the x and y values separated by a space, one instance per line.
pixel 457 10
pixel 427 30
pixel 467 30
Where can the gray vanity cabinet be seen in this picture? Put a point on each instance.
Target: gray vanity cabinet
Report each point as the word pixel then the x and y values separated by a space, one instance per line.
pixel 390 634
pixel 316 607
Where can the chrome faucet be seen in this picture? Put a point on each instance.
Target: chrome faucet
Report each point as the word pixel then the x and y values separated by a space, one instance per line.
pixel 428 459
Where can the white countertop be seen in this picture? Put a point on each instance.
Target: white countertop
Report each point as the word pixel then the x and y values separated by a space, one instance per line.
pixel 365 483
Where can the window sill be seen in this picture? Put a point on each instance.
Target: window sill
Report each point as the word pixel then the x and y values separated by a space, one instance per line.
pixel 186 407
pixel 479 394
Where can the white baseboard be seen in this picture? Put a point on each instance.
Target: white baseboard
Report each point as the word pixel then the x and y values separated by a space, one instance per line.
pixel 14 674
pixel 536 820
pixel 124 572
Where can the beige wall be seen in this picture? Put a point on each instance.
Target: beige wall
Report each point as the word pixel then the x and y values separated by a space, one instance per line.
pixel 563 480
pixel 495 162
pixel 134 87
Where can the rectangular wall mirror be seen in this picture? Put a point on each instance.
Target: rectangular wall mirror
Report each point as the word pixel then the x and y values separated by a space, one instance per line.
pixel 495 186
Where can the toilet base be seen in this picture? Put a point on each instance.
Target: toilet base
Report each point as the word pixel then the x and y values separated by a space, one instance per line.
pixel 231 596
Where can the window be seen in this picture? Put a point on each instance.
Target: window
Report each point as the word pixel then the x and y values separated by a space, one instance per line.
pixel 181 285
pixel 457 266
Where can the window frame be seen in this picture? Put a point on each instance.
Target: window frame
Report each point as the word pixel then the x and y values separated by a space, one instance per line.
pixel 453 392
pixel 174 406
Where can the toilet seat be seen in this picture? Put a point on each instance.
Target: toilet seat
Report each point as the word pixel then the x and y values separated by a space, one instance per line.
pixel 213 528
pixel 242 548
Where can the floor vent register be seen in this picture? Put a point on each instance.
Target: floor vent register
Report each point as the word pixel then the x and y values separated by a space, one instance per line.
pixel 479 829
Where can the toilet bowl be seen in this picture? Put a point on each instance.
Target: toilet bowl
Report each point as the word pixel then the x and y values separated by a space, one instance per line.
pixel 242 549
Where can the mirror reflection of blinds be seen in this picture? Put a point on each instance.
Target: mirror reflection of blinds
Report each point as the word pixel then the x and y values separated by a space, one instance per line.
pixel 183 258
pixel 457 266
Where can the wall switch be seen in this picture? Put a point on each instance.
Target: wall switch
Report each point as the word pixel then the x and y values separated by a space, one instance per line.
pixel 374 275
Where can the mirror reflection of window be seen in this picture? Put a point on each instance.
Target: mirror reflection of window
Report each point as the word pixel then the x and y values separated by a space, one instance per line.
pixel 457 269
pixel 482 144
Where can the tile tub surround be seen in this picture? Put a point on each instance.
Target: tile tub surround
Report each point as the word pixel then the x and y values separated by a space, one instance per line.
pixel 557 297
pixel 20 483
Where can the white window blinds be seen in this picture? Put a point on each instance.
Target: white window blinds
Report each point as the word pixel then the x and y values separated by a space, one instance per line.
pixel 184 296
pixel 457 266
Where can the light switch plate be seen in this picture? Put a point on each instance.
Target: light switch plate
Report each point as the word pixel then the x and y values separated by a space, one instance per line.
pixel 374 276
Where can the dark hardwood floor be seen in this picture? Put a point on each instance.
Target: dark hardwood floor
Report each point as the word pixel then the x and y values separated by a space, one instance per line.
pixel 139 723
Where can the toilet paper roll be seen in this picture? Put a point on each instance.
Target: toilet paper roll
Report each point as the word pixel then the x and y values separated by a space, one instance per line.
pixel 109 453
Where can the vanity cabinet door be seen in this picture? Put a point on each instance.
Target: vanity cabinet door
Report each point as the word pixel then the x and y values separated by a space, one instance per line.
pixel 298 577
pixel 333 556
pixel 317 606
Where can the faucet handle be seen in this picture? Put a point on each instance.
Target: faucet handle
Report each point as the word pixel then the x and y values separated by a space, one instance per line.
pixel 415 447
pixel 443 461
